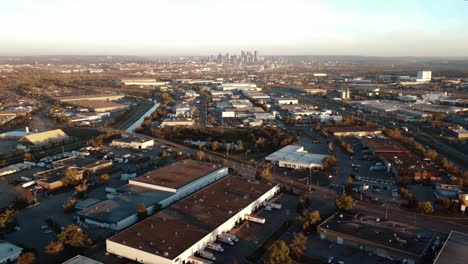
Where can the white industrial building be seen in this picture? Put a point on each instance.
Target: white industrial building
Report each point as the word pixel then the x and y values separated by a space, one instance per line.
pixel 295 157
pixel 175 234
pixel 239 86
pixel 177 122
pixel 9 252
pixel 283 101
pixel 132 142
pixel 424 76
pixel 157 189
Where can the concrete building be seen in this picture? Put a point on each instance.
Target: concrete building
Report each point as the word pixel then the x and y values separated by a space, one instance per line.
pixel 283 101
pixel 78 259
pixel 177 122
pixel 239 87
pixel 41 139
pixel 457 133
pixel 295 157
pixel 98 106
pixel 132 142
pixel 155 190
pixel 454 250
pixel 175 234
pixel 143 82
pixel 388 239
pixel 98 97
pixel 424 76
pixel 9 252
pixel 52 179
pixel 345 131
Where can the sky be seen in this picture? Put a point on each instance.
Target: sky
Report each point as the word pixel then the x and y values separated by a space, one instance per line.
pixel 207 27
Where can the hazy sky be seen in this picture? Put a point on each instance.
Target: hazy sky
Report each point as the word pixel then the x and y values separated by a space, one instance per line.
pixel 203 27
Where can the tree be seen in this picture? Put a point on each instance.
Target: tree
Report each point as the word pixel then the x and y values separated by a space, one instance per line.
pixel 445 202
pixel 104 177
pixel 317 127
pixel 26 258
pixel 69 206
pixel 23 197
pixel 142 212
pixel 73 236
pixel 330 146
pixel 200 155
pixel 215 145
pixel 53 248
pixel 6 217
pixel 349 184
pixel 265 174
pixel 344 202
pixel 431 154
pixel 330 164
pixel 279 253
pixel 309 220
pixel 70 177
pixel 298 245
pixel 427 207
pixel 240 145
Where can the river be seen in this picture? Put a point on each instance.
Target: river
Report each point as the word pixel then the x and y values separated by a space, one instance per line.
pixel 142 118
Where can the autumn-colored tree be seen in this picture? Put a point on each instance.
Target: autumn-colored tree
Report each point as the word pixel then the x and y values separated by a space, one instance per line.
pixel 344 202
pixel 142 212
pixel 298 245
pixel 265 174
pixel 26 258
pixel 279 253
pixel 73 236
pixel 309 220
pixel 104 177
pixel 427 207
pixel 53 247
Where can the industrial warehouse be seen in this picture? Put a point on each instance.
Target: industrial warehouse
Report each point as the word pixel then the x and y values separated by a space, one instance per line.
pixel 388 239
pixel 295 157
pixel 181 231
pixel 157 189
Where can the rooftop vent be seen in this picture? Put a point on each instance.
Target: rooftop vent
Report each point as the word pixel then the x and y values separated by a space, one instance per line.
pixel 166 253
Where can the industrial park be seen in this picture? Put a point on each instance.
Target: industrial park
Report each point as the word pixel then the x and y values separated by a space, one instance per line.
pixel 217 143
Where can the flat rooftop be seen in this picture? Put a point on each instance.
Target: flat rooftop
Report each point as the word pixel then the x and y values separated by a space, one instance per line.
pixel 341 129
pixel 178 174
pixel 296 154
pixel 96 104
pixel 78 259
pixel 389 234
pixel 123 205
pixel 455 249
pixel 173 230
pixel 380 145
pixel 74 161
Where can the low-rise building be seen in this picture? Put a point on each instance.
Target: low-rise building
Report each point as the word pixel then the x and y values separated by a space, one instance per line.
pixel 388 239
pixel 79 259
pixel 132 142
pixel 345 131
pixel 177 233
pixel 454 250
pixel 99 106
pixel 177 122
pixel 457 133
pixel 155 190
pixel 52 179
pixel 295 157
pixel 42 139
pixel 98 97
pixel 9 252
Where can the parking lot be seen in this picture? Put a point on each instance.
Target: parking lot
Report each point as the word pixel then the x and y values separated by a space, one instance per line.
pixel 252 235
